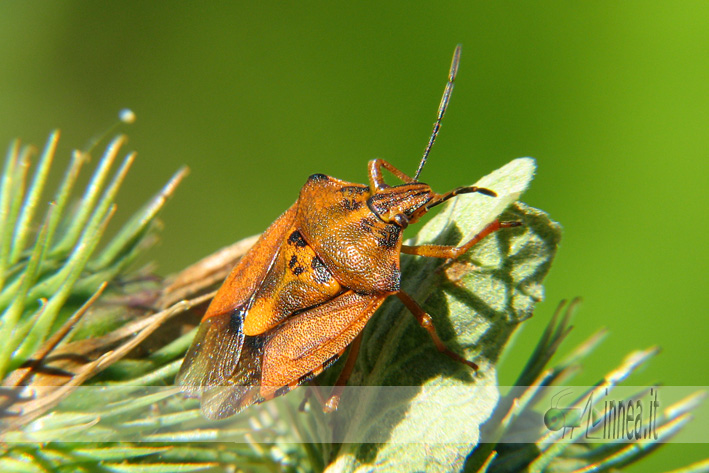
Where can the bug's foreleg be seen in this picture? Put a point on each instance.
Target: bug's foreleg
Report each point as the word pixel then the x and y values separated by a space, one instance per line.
pixel 334 399
pixel 440 251
pixel 426 322
pixel 376 180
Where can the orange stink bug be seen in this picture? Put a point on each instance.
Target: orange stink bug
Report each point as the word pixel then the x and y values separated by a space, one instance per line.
pixel 305 290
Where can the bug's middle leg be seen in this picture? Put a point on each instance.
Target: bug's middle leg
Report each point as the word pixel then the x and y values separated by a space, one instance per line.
pixel 441 251
pixel 426 322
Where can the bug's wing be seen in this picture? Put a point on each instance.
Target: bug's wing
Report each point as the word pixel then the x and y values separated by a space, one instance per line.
pixel 215 352
pixel 234 394
pixel 305 344
pixel 291 353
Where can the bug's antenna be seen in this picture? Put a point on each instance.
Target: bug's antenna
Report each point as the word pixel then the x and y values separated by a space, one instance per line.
pixel 441 108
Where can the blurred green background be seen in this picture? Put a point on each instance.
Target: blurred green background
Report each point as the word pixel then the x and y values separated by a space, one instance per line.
pixel 611 98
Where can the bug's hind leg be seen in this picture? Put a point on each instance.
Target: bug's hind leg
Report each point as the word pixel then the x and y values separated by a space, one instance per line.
pixel 330 404
pixel 334 399
pixel 440 251
pixel 312 390
pixel 426 322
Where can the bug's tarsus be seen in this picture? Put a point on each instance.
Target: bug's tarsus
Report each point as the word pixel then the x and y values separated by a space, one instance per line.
pixel 484 191
pixel 441 108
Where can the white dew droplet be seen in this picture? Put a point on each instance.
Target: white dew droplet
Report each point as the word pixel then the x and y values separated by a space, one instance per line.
pixel 126 115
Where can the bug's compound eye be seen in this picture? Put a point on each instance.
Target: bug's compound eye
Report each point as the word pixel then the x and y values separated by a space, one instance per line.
pixel 401 220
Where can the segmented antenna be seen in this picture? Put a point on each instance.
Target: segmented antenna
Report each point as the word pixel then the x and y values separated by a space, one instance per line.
pixel 441 108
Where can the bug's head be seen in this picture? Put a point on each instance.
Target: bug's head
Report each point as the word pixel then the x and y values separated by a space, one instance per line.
pixel 401 204
pixel 406 203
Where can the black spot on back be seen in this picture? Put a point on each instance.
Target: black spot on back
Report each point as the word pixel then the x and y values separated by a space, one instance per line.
pixel 293 261
pixel 296 239
pixel 298 270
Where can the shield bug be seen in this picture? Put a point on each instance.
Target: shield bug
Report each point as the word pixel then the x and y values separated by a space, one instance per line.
pixel 305 290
